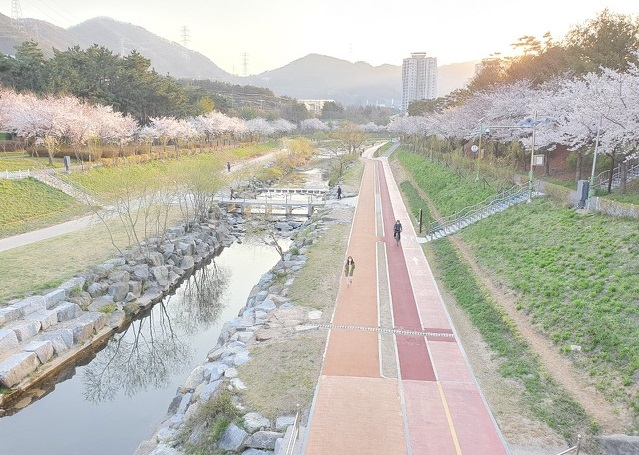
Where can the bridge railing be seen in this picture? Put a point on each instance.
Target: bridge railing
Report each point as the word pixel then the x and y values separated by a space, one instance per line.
pixel 300 191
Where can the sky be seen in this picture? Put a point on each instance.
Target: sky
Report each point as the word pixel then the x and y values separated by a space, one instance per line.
pixel 247 37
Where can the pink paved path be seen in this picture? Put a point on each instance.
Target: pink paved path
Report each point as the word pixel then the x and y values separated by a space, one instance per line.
pixel 434 407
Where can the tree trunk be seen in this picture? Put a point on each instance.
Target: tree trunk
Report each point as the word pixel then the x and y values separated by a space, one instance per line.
pixel 612 171
pixel 623 167
pixel 547 163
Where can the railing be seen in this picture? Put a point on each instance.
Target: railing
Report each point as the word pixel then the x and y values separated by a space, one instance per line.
pixel 574 449
pixel 302 191
pixel 295 431
pixel 477 212
pixel 601 180
pixel 15 174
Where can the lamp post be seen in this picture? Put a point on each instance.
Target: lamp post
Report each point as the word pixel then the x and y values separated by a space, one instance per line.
pixel 591 188
pixel 531 174
pixel 481 133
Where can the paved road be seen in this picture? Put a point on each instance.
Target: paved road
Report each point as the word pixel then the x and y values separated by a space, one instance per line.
pixel 395 379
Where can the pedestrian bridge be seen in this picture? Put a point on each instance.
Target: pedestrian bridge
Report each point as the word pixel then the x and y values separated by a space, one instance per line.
pixel 277 201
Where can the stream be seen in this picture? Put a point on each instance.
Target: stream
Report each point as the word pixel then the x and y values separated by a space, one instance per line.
pixel 115 401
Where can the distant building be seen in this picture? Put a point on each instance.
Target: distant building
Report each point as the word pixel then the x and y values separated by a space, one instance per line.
pixel 419 78
pixel 314 107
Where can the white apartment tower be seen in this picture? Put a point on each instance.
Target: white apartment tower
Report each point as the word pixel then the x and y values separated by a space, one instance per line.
pixel 419 78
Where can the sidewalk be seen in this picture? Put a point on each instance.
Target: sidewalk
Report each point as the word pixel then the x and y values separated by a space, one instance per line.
pixel 394 379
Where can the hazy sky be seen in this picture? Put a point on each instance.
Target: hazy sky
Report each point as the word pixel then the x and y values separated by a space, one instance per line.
pixel 273 33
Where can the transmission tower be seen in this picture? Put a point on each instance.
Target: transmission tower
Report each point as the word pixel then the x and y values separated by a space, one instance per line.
pixel 245 64
pixel 186 37
pixel 16 15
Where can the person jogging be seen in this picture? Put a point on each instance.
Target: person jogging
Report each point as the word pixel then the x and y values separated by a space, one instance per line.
pixel 397 231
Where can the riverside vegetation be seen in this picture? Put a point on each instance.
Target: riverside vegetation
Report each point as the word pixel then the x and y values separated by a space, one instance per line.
pixel 543 399
pixel 573 278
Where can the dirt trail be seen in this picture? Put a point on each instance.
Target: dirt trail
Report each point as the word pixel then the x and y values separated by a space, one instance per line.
pixel 610 418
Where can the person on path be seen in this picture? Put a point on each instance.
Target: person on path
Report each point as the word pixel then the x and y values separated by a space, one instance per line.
pixel 339 192
pixel 349 268
pixel 397 231
pixel 228 166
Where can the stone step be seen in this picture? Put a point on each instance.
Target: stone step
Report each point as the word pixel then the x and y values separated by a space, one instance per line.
pixel 21 354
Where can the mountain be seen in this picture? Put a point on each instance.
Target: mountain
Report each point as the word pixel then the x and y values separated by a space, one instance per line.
pixel 167 57
pixel 322 77
pixel 311 77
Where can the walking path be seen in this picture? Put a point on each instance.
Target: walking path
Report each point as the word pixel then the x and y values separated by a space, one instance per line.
pixel 395 379
pixel 68 227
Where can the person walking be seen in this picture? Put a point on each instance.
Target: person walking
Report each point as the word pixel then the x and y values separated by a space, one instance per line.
pixel 228 166
pixel 349 268
pixel 339 192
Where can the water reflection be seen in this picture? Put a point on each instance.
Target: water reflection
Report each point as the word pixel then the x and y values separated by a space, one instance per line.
pixel 153 348
pixel 65 423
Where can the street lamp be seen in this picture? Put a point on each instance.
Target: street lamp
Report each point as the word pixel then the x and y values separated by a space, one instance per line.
pixel 591 189
pixel 531 174
pixel 481 133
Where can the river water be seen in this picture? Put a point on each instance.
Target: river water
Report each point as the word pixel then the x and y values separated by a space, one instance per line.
pixel 111 404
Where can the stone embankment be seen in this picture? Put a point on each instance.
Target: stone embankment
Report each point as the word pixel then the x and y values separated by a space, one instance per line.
pixel 267 314
pixel 40 333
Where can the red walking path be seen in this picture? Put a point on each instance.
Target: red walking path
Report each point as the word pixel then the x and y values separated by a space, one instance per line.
pixel 432 404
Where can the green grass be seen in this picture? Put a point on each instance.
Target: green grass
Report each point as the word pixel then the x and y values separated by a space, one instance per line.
pixel 575 273
pixel 450 190
pixel 548 402
pixel 28 204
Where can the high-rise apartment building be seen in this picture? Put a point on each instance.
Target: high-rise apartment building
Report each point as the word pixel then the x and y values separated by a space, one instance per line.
pixel 419 78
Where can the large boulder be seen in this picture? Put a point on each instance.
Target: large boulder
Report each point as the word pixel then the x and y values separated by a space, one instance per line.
pixel 31 304
pixel 619 444
pixel 54 297
pixel 8 340
pixel 16 367
pixel 26 329
pixel 43 349
pixel 119 290
pixel 101 302
pixel 254 421
pixel 232 438
pixel 46 318
pixel 67 311
pixel 263 440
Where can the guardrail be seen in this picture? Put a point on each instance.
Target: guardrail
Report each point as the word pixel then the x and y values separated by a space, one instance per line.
pixel 469 215
pixel 15 174
pixel 602 179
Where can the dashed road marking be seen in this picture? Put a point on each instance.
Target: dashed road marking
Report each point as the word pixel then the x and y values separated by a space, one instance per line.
pixel 396 331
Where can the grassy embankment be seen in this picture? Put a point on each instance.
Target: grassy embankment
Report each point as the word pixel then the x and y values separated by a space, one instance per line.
pixel 576 277
pixel 31 205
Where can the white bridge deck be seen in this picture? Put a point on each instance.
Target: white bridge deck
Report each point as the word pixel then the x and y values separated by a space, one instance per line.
pixel 283 201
